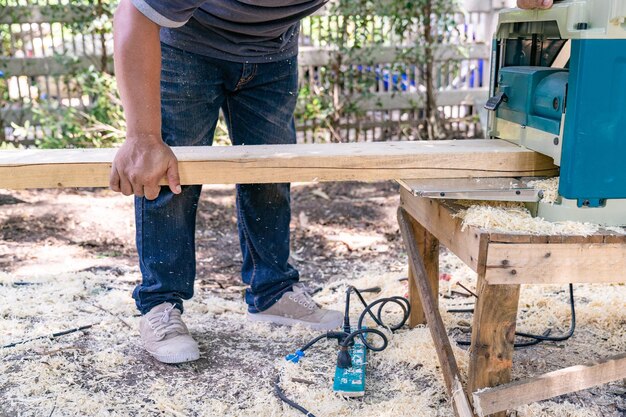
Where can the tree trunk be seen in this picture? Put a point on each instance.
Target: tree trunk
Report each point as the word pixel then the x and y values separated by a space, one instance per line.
pixel 104 58
pixel 434 128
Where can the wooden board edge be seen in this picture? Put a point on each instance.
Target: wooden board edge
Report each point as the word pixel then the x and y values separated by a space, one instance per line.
pixel 549 385
pixel 555 263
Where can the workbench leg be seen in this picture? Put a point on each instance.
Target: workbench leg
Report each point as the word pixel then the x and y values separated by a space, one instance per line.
pixel 429 250
pixel 493 335
pixel 447 361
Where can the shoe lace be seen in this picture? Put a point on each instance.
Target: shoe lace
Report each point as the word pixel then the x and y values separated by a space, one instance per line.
pixel 167 323
pixel 304 299
pixel 299 287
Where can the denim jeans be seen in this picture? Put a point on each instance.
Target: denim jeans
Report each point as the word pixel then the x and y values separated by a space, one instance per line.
pixel 258 101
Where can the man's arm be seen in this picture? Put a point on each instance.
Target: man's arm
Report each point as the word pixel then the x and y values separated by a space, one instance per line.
pixel 144 159
pixel 534 4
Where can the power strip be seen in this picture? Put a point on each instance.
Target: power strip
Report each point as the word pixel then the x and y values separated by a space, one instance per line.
pixel 350 382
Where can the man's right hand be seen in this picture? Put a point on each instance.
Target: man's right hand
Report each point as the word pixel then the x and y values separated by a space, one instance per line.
pixel 144 159
pixel 139 166
pixel 534 4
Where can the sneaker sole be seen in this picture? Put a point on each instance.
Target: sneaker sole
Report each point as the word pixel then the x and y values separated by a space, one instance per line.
pixel 177 358
pixel 267 318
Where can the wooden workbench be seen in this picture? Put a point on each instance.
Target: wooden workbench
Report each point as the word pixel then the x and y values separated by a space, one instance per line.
pixel 503 262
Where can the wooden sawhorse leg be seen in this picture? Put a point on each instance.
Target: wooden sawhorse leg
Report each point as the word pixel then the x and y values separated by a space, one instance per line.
pixel 428 246
pixel 437 329
pixel 493 335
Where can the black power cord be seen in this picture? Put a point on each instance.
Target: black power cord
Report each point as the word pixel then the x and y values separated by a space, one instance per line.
pixel 52 336
pixel 281 394
pixel 345 338
pixel 536 339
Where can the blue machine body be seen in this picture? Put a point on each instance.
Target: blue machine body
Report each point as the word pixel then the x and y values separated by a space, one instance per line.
pixel 592 94
pixel 536 96
pixel 594 141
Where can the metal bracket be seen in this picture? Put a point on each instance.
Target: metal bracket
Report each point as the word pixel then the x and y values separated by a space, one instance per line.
pixel 492 189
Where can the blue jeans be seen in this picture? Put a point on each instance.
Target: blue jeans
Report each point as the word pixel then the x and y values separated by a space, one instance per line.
pixel 258 101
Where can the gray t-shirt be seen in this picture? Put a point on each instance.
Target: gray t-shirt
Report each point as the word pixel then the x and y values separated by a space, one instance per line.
pixel 234 30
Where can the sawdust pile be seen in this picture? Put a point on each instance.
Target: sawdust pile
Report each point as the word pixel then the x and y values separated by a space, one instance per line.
pixel 104 371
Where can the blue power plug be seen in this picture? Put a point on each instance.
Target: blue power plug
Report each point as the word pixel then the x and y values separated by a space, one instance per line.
pixel 295 357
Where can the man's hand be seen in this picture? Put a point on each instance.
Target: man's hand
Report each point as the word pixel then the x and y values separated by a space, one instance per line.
pixel 139 166
pixel 143 160
pixel 534 4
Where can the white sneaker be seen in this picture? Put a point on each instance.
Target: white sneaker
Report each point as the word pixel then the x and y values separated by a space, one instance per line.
pixel 297 307
pixel 166 337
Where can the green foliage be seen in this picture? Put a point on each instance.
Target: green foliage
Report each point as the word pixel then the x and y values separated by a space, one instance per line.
pixel 362 27
pixel 100 124
pixel 60 123
pixel 341 85
pixel 8 146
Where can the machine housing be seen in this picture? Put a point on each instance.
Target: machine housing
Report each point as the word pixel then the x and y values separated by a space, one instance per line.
pixel 558 86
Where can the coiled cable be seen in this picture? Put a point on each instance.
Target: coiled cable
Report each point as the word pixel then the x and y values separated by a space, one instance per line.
pixel 347 336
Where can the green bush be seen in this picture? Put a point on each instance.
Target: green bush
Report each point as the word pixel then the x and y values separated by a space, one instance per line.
pixel 348 80
pixel 100 124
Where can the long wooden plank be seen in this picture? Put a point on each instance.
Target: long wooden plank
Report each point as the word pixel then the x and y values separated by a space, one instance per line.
pixel 285 163
pixel 557 263
pixel 549 385
pixel 447 360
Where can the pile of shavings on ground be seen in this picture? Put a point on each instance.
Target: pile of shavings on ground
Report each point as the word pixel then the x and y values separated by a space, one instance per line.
pixel 104 371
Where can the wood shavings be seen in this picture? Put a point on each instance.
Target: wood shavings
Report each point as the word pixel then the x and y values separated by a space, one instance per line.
pixel 616 230
pixel 107 373
pixel 520 220
pixel 550 188
pixel 499 204
pixel 553 409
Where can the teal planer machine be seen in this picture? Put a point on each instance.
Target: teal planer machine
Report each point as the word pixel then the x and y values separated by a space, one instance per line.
pixel 558 87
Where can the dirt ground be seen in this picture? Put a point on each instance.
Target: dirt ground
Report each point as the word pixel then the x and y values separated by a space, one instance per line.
pixel 332 238
pixel 67 259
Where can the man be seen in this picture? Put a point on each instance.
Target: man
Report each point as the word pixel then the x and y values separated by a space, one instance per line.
pixel 178 62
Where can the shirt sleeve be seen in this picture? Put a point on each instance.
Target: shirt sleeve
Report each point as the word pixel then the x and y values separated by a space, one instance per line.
pixel 168 13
